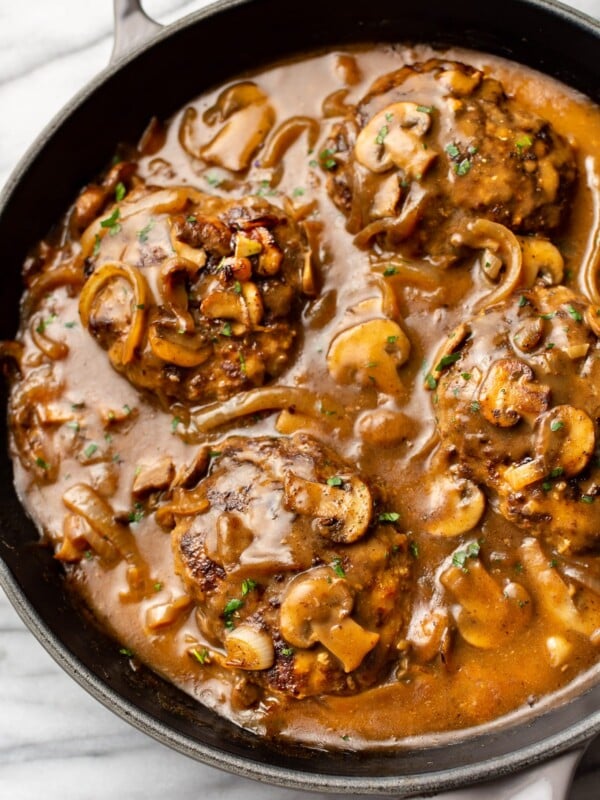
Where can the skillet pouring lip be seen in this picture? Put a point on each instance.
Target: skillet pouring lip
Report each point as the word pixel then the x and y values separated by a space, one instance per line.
pixel 150 704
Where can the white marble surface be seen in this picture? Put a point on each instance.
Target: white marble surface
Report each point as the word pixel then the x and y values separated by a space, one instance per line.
pixel 56 742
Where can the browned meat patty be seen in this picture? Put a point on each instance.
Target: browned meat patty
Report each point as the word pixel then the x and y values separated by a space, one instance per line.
pixel 436 144
pixel 518 407
pixel 196 297
pixel 294 553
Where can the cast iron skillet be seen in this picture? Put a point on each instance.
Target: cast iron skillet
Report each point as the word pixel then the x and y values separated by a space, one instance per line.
pixel 161 71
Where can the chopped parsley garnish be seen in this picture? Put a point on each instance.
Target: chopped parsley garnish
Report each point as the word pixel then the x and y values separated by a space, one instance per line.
pixel 460 557
pixel 425 109
pixel 523 142
pixel 463 167
pixel 145 232
pixel 466 376
pixel 453 151
pixel 413 549
pixel 335 480
pixel 231 607
pixel 90 450
pixel 287 651
pixel 242 361
pixel 298 192
pixel 158 586
pixel 392 339
pixel 548 316
pixel 556 425
pixel 97 243
pixel 175 423
pixel 111 222
pixel 523 301
pixel 326 158
pixel 587 498
pixel 127 409
pixel 41 327
pixel 475 406
pixel 74 425
pixel 430 381
pixel 556 472
pixel 383 132
pixel 214 453
pixel 226 329
pixel 212 180
pixel 201 656
pixel 70 324
pixel 389 271
pixel 574 314
pixel 120 191
pixel 42 464
pixel 337 567
pixel 446 361
pixel 125 651
pixel 248 585
pixel 137 515
pixel 237 287
pixel 389 516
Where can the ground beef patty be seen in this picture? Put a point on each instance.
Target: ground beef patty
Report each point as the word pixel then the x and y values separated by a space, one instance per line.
pixel 294 553
pixel 517 408
pixel 196 297
pixel 436 144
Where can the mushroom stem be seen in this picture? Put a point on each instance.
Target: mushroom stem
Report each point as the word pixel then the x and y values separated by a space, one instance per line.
pixel 347 641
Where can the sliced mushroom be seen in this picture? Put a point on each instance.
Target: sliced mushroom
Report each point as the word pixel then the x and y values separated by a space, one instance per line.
pixel 551 592
pixel 486 615
pixel 371 354
pixel 178 347
pixel 455 505
pixel 566 439
pixel 245 307
pixel 154 477
pixel 343 511
pixel 249 648
pixel 509 391
pixel 315 608
pixel 249 118
pixel 394 137
pixel 540 257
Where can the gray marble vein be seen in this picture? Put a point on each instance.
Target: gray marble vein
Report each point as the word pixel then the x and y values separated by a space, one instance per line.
pixel 56 741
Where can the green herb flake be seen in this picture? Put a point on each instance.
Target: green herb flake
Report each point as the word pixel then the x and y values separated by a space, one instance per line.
pixel 88 554
pixel 248 585
pixel 574 314
pixel 90 450
pixel 466 376
pixel 335 480
pixel 74 426
pixel 237 287
pixel 137 515
pixel 389 516
pixel 523 142
pixel 326 158
pixel 298 191
pixel 549 316
pixel 287 651
pixel 430 381
pixel 463 167
pixel 523 301
pixel 127 409
pixel 125 651
pixel 214 453
pixel 42 464
pixel 383 132
pixel 41 327
pixel 242 361
pixel 97 243
pixel 460 557
pixel 231 606
pixel 201 656
pixel 553 563
pixel 144 233
pixel 518 567
pixel 212 180
pixel 425 109
pixel 549 345
pixel 587 498
pixel 111 222
pixel 556 472
pixel 446 361
pixel 226 329
pixel 337 567
pixel 175 422
pixel 389 271
pixel 158 586
pixel 475 407
pixel 120 191
pixel 556 425
pixel 70 324
pixel 392 339
pixel 413 549
pixel 453 151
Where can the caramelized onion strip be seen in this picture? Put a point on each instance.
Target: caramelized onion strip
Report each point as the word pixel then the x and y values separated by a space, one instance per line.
pixel 141 298
pixel 285 136
pixel 69 274
pixel 271 398
pixel 483 234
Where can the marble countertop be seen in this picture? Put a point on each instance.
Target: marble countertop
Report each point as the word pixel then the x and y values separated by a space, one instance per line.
pixel 55 740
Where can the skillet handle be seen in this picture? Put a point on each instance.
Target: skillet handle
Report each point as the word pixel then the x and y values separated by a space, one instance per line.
pixel 132 27
pixel 548 781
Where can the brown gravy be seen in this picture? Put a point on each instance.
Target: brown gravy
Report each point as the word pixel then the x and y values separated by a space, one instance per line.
pixel 457 661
